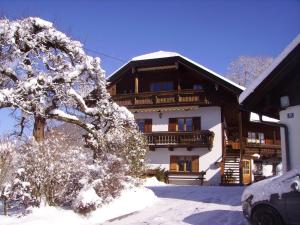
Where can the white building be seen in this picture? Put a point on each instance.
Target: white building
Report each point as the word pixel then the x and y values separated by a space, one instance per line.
pixel 189 114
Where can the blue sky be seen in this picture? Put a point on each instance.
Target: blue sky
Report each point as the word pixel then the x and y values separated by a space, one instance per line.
pixel 213 33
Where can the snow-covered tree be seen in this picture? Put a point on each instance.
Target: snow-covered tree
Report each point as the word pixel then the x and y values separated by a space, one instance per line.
pixel 47 76
pixel 246 68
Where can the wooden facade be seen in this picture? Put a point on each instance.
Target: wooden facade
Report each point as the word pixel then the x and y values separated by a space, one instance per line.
pixel 176 82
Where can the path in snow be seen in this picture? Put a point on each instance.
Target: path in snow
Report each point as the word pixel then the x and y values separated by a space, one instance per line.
pixel 190 205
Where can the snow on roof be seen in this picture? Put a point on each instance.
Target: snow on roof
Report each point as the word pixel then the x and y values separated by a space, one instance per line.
pixel 268 71
pixel 254 117
pixel 164 54
pixel 156 55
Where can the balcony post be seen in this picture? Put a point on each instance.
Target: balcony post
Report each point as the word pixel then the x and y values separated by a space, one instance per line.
pixel 136 84
pixel 241 143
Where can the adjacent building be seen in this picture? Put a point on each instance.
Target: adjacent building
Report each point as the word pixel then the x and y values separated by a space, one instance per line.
pixel 193 121
pixel 276 93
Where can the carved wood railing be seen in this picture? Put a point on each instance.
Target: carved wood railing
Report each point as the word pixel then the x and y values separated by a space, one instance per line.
pixel 181 139
pixel 178 97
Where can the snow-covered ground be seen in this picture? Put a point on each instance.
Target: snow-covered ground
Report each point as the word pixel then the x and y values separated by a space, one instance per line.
pixel 131 200
pixel 157 203
pixel 201 205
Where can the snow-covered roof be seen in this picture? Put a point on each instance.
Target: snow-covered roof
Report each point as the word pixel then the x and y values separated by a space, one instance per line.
pixel 164 54
pixel 268 71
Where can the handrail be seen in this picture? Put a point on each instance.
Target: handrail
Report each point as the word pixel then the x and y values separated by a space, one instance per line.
pixel 151 93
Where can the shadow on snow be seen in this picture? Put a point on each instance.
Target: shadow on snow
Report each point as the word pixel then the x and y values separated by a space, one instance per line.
pixel 217 217
pixel 207 194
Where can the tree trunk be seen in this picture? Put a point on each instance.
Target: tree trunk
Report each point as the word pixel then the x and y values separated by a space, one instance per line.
pixel 39 128
pixel 5 206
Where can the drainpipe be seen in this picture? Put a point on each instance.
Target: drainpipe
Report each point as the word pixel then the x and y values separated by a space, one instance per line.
pixel 286 137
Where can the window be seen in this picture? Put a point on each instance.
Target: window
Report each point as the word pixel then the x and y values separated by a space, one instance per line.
pixel 197 87
pixel 141 125
pixel 251 137
pixel 258 138
pixel 162 86
pixel 144 125
pixel 185 124
pixel 261 138
pixel 184 163
pixel 180 124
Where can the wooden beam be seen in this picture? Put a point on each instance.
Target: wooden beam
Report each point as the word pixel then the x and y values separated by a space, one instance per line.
pixel 136 84
pixel 153 68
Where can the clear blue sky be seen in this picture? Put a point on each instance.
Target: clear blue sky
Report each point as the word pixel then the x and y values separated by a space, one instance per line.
pixel 213 33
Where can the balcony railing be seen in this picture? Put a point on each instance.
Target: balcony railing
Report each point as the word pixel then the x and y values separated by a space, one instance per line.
pixel 268 144
pixel 181 139
pixel 178 97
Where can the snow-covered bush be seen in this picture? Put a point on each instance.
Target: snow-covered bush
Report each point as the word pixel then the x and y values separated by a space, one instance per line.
pixel 53 168
pixel 8 163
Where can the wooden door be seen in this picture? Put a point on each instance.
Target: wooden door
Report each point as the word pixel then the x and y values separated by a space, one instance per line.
pixel 246 171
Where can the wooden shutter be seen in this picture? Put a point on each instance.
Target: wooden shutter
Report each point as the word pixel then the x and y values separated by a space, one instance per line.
pixel 195 163
pixel 173 163
pixel 112 90
pixel 172 124
pixel 148 125
pixel 196 123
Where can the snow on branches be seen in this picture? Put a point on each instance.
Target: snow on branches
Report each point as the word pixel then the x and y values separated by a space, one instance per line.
pixel 246 68
pixel 47 75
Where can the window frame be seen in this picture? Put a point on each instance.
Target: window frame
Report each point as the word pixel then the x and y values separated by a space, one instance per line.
pixel 186 162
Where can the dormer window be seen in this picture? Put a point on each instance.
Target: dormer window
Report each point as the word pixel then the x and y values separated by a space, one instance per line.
pixel 162 86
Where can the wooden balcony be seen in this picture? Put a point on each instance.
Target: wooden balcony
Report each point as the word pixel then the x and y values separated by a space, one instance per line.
pixel 268 148
pixel 163 98
pixel 181 139
pixel 269 144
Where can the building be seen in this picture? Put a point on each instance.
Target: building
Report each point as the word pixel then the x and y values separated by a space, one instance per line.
pixel 191 118
pixel 276 93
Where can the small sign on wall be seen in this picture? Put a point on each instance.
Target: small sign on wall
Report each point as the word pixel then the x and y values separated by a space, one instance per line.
pixel 290 115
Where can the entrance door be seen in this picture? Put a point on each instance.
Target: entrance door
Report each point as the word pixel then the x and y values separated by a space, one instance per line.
pixel 246 170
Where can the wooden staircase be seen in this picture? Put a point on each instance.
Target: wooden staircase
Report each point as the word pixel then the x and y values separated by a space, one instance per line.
pixel 231 168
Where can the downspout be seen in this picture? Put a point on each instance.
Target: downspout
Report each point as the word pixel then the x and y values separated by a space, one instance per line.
pixel 286 137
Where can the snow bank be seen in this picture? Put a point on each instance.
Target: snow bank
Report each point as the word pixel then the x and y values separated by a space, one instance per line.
pixel 152 181
pixel 130 200
pixel 263 190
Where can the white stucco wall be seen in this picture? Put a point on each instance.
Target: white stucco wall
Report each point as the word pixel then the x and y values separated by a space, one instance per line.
pixel 210 120
pixel 293 125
